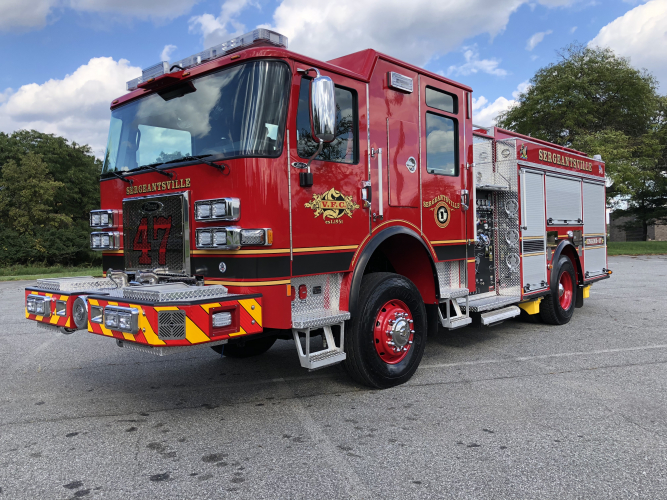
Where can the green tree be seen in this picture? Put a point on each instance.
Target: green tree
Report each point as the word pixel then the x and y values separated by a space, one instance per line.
pixel 47 219
pixel 594 101
pixel 586 91
pixel 27 194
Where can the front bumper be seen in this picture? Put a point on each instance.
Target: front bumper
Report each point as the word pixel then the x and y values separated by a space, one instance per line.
pixel 152 330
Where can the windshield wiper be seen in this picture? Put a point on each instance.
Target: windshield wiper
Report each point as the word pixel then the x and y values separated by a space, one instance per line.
pixel 200 158
pixel 121 177
pixel 153 166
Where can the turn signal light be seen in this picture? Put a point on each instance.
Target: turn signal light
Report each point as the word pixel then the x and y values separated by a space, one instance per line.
pixel 303 292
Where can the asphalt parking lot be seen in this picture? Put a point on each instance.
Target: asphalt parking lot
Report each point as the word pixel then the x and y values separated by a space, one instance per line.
pixel 520 410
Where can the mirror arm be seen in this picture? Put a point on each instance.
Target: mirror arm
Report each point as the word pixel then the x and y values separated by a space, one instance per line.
pixel 319 150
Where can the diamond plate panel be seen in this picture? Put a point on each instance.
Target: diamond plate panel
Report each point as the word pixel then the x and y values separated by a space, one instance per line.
pixel 171 325
pixel 317 306
pixel 449 274
pixel 508 278
pixel 74 284
pixel 172 292
pixel 155 232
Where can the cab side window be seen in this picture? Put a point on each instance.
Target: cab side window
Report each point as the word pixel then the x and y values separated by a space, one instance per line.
pixel 442 143
pixel 344 147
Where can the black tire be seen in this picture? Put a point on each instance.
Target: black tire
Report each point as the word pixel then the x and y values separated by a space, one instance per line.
pixel 251 347
pixel 363 362
pixel 551 310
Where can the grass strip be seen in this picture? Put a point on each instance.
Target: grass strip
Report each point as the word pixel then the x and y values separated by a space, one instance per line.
pixel 636 247
pixel 17 273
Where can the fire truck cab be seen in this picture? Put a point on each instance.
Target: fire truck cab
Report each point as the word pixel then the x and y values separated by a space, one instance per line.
pixel 250 193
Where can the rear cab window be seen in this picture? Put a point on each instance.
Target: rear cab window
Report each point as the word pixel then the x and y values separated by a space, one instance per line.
pixel 441 133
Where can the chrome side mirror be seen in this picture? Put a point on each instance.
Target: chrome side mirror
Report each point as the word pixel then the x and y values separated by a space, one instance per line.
pixel 322 108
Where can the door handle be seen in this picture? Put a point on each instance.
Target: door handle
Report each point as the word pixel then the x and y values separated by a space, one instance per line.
pixel 366 193
pixel 465 199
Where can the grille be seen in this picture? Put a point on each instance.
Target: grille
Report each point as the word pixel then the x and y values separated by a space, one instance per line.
pixel 533 246
pixel 154 230
pixel 171 325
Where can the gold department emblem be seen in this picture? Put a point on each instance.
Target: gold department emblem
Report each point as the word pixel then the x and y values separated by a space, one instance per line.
pixel 332 205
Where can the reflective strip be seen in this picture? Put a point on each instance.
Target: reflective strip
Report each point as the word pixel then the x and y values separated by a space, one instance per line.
pixel 193 333
pixel 256 313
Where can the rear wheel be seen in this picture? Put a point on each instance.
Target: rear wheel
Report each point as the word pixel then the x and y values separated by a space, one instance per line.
pixel 251 347
pixel 387 336
pixel 557 308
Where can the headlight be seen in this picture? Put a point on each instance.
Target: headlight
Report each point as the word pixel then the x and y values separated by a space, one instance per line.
pixel 220 209
pixel 38 305
pixel 232 238
pixel 105 241
pixel 103 218
pixel 123 319
pixel 223 238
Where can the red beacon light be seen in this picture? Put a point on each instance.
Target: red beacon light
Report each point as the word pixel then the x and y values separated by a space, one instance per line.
pixel 260 36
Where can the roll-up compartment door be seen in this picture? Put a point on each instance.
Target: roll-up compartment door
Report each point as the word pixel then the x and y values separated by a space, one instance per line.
pixel 563 200
pixel 595 238
pixel 533 231
pixel 594 209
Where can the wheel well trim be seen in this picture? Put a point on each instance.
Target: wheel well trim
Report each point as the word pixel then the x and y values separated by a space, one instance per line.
pixel 553 280
pixel 370 248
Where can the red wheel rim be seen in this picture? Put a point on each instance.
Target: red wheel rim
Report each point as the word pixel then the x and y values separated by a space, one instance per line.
pixel 565 290
pixel 393 333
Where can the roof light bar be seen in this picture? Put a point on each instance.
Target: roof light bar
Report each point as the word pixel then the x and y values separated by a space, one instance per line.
pixel 164 67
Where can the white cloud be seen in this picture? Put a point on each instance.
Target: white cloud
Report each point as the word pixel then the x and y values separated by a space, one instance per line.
pixel 17 15
pixel 20 15
pixel 485 113
pixel 217 29
pixel 414 31
pixel 167 52
pixel 534 40
pixel 641 35
pixel 521 89
pixel 573 29
pixel 474 64
pixel 76 107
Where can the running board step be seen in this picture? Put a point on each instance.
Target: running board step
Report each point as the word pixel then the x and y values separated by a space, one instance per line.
pixel 499 315
pixel 458 320
pixel 330 355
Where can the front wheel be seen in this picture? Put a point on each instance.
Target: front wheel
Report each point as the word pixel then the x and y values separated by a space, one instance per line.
pixel 387 336
pixel 557 308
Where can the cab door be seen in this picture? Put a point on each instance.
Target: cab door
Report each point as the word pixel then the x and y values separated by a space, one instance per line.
pixel 328 219
pixel 444 172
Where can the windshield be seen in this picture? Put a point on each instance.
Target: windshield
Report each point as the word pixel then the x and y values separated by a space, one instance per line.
pixel 235 112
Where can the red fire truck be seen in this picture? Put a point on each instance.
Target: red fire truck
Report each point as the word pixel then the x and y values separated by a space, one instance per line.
pixel 250 194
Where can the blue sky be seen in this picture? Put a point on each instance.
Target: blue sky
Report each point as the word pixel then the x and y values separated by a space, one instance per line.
pixel 64 60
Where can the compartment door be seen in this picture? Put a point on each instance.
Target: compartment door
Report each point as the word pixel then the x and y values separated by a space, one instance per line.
pixel 533 231
pixel 403 163
pixel 563 201
pixel 595 229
